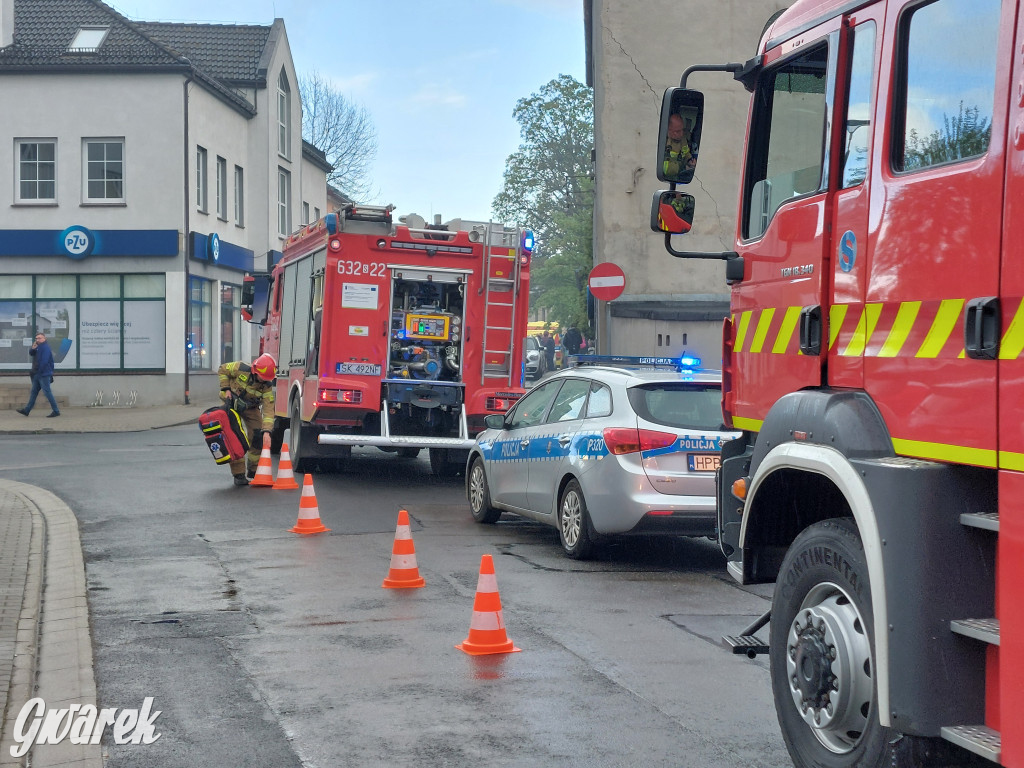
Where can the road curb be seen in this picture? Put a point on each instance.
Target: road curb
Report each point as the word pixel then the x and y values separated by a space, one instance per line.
pixel 53 650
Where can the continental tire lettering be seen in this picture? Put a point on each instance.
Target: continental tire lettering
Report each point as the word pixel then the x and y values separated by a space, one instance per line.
pixel 822 556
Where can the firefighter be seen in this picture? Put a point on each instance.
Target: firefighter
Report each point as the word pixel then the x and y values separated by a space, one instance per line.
pixel 679 158
pixel 249 389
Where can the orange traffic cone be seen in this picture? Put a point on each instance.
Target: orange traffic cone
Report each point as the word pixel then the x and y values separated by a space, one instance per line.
pixel 309 512
pixel 265 469
pixel 285 476
pixel 403 571
pixel 487 627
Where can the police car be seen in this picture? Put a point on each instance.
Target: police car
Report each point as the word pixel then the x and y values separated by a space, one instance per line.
pixel 610 445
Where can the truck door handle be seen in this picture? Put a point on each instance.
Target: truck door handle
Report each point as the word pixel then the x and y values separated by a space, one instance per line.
pixel 810 330
pixel 982 328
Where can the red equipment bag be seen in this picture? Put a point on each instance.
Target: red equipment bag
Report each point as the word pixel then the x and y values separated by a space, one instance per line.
pixel 225 434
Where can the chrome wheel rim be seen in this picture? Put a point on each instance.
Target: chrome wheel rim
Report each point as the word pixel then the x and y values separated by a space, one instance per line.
pixel 829 666
pixel 572 519
pixel 477 485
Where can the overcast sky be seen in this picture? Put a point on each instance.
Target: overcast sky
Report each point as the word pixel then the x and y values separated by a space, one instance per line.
pixel 440 80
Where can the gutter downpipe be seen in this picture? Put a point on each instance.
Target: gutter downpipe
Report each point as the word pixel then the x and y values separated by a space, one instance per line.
pixel 187 243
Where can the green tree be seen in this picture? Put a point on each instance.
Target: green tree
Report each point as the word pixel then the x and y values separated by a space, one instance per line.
pixel 966 134
pixel 548 187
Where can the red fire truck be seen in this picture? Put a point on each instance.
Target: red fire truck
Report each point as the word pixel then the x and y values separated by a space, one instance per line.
pixel 400 336
pixel 873 360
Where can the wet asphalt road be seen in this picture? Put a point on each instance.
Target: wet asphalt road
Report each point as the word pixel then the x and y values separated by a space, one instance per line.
pixel 264 648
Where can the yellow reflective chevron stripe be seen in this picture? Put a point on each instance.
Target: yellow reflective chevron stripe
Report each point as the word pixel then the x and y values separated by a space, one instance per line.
pixel 901 328
pixel 741 330
pixel 865 327
pixel 836 315
pixel 763 324
pixel 1013 340
pixel 789 323
pixel 942 327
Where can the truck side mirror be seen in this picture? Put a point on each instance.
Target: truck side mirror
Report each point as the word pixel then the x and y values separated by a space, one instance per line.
pixel 672 212
pixel 255 299
pixel 682 116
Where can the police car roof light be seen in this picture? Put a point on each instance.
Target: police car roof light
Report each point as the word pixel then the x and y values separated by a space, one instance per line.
pixel 685 363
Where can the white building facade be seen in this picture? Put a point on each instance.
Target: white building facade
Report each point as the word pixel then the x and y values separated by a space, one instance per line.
pixel 635 51
pixel 145 169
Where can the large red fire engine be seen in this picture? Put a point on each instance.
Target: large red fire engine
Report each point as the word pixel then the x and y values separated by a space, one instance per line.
pixel 397 336
pixel 873 360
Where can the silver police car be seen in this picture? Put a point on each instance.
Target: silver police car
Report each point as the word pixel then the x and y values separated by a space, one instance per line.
pixel 611 445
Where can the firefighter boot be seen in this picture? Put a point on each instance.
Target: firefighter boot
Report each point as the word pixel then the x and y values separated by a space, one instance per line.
pixel 240 480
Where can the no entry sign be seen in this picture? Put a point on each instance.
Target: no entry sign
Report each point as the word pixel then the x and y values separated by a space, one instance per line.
pixel 607 281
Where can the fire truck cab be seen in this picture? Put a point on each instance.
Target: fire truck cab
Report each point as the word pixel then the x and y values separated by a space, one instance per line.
pixel 400 336
pixel 873 361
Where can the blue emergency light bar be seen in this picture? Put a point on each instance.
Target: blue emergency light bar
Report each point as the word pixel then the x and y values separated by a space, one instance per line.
pixel 626 361
pixel 528 240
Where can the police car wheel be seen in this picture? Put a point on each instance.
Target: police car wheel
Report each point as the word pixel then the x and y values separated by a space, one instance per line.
pixel 574 523
pixel 480 495
pixel 822 654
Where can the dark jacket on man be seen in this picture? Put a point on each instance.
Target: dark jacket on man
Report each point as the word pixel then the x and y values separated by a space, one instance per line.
pixel 42 360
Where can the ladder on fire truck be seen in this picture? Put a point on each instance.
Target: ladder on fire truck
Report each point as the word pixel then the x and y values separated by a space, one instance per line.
pixel 501 287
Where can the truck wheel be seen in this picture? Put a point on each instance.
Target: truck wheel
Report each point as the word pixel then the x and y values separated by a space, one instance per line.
pixel 301 437
pixel 574 523
pixel 441 464
pixel 408 453
pixel 277 437
pixel 822 653
pixel 479 494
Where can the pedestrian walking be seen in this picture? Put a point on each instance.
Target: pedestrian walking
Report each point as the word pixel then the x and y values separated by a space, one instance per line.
pixel 42 375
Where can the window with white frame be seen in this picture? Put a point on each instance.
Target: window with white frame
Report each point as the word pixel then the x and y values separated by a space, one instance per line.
pixel 104 170
pixel 36 165
pixel 239 197
pixel 222 189
pixel 284 196
pixel 201 201
pixel 284 114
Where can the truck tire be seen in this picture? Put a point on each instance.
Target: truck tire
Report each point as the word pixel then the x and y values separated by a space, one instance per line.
pixel 408 453
pixel 822 653
pixel 441 464
pixel 277 436
pixel 302 437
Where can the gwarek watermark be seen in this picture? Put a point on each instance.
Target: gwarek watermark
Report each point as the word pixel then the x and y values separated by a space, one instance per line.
pixel 82 724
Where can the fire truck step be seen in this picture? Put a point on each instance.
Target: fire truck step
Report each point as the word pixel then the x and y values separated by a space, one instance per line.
pixel 500 281
pixel 745 644
pixel 979 739
pixel 498 328
pixel 500 304
pixel 987 520
pixel 986 630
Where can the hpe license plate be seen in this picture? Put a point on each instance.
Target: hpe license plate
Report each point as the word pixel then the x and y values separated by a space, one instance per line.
pixel 703 462
pixel 359 369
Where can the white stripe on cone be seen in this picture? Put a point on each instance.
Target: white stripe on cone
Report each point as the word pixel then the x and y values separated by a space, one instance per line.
pixel 488 582
pixel 403 562
pixel 491 620
pixel 309 513
pixel 403 532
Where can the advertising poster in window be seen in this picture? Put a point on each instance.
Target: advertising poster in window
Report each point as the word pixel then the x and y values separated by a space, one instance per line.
pixel 16 334
pixel 100 331
pixel 144 342
pixel 57 320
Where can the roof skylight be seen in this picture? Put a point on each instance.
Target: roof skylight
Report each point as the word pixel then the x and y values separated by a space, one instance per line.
pixel 88 39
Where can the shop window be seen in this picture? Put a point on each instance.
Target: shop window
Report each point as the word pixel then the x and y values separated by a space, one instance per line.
pixel 100 286
pixel 144 287
pixel 200 312
pixel 104 170
pixel 37 171
pixel 56 287
pixel 230 314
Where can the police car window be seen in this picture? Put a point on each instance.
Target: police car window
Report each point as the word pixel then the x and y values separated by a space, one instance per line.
pixel 949 73
pixel 531 409
pixel 690 406
pixel 570 401
pixel 600 403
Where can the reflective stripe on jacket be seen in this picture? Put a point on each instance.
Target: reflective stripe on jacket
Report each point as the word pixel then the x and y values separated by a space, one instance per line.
pixel 239 378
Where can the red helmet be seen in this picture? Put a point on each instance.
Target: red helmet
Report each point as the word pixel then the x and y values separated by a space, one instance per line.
pixel 264 367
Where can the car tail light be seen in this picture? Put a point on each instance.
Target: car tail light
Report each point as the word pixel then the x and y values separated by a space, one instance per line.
pixel 500 404
pixel 620 440
pixel 347 396
pixel 660 512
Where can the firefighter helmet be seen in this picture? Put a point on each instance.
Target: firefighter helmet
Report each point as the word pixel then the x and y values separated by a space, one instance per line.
pixel 264 367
